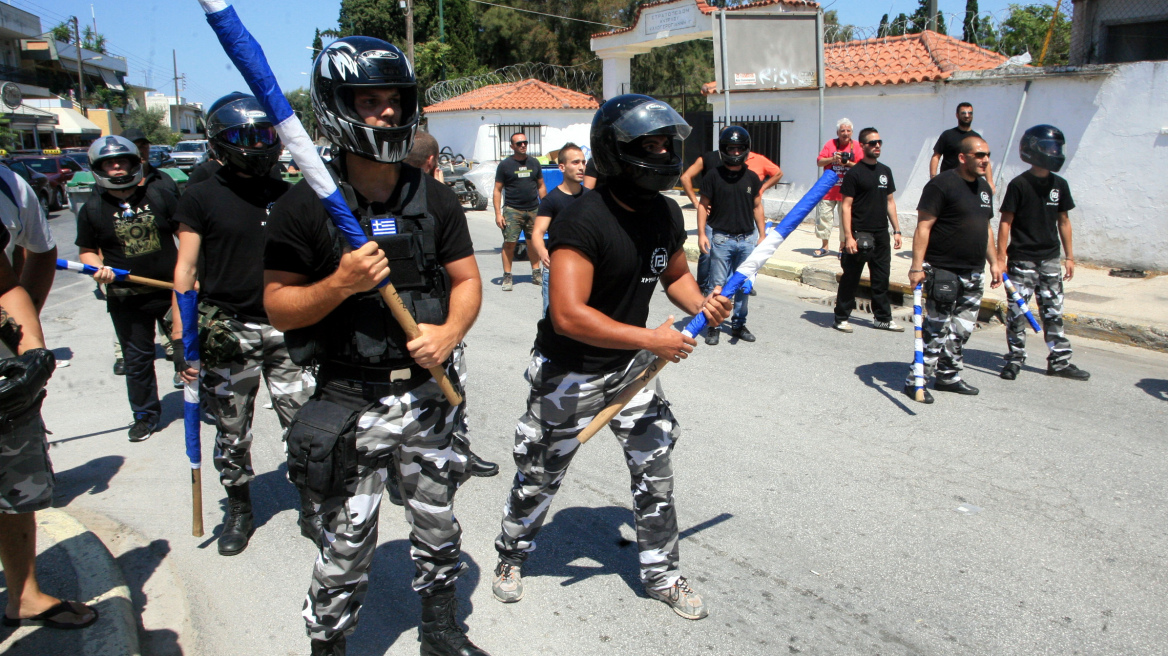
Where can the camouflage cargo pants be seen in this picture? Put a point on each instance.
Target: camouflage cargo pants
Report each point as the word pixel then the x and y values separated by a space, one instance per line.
pixel 562 403
pixel 232 393
pixel 1044 281
pixel 946 330
pixel 26 474
pixel 418 428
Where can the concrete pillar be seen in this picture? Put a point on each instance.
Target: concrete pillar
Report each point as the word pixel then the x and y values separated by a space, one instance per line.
pixel 618 76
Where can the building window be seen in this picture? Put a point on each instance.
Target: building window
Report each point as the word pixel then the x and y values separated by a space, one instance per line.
pixel 1137 42
pixel 531 131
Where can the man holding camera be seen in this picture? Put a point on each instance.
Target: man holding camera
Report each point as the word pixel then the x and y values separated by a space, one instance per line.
pixel 839 154
pixel 953 236
pixel 867 209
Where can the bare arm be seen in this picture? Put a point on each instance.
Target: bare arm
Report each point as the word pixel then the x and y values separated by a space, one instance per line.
pixel 849 239
pixel 542 188
pixel 687 179
pixel 186 272
pixel 1004 227
pixel 1064 228
pixel 759 218
pixel 497 195
pixel 992 258
pixel 93 258
pixel 18 304
pixel 293 302
pixel 771 181
pixel 37 275
pixel 925 221
pixel 892 217
pixel 537 242
pixel 934 163
pixel 989 176
pixel 683 291
pixel 703 215
pixel 436 342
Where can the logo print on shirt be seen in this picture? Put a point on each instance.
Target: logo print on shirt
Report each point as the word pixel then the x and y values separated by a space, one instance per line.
pixel 137 231
pixel 883 181
pixel 658 261
pixel 985 198
pixel 1054 195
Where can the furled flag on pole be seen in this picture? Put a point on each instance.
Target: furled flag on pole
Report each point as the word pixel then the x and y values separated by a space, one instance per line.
pixel 188 309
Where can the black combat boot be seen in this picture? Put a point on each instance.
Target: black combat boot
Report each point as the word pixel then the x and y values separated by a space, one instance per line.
pixel 334 647
pixel 237 526
pixel 441 634
pixel 311 523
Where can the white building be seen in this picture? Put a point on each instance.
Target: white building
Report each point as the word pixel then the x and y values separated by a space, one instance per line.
pixel 180 116
pixel 479 124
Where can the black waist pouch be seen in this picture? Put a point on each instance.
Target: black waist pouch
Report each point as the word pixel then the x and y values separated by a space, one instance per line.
pixel 944 288
pixel 865 244
pixel 322 448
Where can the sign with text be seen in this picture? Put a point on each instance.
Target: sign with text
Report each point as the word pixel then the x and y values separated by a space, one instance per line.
pixel 768 51
pixel 664 20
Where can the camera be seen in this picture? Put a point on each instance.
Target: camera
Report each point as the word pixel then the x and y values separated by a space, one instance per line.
pixel 845 156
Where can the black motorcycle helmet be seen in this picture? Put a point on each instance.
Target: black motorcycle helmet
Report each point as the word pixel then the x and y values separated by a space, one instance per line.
pixel 362 61
pixel 734 135
pixel 242 134
pixel 109 147
pixel 1042 146
pixel 617 130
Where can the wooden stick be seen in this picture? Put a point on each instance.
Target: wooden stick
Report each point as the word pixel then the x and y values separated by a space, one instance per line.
pixel 149 282
pixel 197 502
pixel 613 409
pixel 403 316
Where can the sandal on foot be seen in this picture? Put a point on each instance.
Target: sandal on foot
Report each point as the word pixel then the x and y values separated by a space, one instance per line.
pixel 77 608
pixel 819 252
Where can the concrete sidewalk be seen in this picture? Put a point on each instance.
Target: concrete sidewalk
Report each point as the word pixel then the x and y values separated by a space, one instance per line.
pixel 1130 311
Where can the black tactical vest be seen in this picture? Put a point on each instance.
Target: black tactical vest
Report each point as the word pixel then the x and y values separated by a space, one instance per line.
pixel 361 331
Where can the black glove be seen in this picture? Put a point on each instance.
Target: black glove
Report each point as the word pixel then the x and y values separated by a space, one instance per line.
pixel 24 378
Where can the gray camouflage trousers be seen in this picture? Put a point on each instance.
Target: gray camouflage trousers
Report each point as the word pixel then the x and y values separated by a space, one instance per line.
pixel 945 331
pixel 231 394
pixel 1043 280
pixel 418 428
pixel 26 474
pixel 560 405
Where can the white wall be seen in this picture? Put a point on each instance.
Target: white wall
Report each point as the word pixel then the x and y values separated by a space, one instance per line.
pixel 1117 160
pixel 473 133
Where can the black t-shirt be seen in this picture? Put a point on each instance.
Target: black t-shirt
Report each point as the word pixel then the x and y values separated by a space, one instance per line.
pixel 869 186
pixel 731 195
pixel 204 171
pixel 949 145
pixel 135 234
pixel 590 169
pixel 1036 204
pixel 963 209
pixel 628 251
pixel 556 201
pixel 230 213
pixel 711 161
pixel 162 181
pixel 299 239
pixel 520 182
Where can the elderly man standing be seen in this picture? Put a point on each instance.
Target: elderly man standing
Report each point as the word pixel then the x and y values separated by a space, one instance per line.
pixel 521 178
pixel 839 154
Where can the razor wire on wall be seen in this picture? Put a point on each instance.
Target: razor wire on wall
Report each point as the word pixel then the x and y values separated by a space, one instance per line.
pixel 584 78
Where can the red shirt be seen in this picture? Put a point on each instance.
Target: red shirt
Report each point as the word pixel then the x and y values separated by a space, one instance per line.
pixel 761 166
pixel 831 148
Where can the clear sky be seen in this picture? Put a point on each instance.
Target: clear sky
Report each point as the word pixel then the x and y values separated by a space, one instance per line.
pixel 145 31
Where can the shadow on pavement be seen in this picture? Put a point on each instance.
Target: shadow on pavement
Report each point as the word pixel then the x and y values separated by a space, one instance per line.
pixel 271 494
pixel 137 566
pixel 91 478
pixel 885 376
pixel 82 437
pixel 56 576
pixel 823 319
pixel 392 608
pixel 590 533
pixel 63 353
pixel 1155 386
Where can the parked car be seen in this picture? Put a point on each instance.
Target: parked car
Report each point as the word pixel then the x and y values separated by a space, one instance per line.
pixel 189 154
pixel 79 155
pixel 38 181
pixel 160 158
pixel 59 169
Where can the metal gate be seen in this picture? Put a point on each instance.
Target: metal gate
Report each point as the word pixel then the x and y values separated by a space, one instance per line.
pixel 766 133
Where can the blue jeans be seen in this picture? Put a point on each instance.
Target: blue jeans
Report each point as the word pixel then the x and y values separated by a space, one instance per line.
pixel 546 276
pixel 727 253
pixel 704 265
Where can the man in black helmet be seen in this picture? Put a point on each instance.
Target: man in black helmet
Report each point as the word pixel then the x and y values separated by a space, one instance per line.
pixel 130 226
pixel 221 234
pixel 1034 225
pixel 150 174
pixel 376 402
pixel 608 251
pixel 731 205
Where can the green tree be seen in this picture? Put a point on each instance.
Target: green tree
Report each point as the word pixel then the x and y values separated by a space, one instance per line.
pixel 91 40
pixel 108 98
pixel 970 26
pixel 1025 31
pixel 152 122
pixel 7 136
pixel 883 29
pixel 833 32
pixel 670 70
pixel 62 32
pixel 317 44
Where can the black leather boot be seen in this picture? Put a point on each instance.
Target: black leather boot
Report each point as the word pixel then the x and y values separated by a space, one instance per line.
pixel 237 525
pixel 311 523
pixel 476 466
pixel 441 634
pixel 334 647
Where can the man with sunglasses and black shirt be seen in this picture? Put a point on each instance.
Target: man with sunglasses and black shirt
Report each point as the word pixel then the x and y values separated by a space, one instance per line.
pixel 948 146
pixel 221 241
pixel 867 209
pixel 952 242
pixel 521 179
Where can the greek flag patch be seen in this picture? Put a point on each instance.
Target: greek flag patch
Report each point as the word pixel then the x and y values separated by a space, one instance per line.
pixel 384 226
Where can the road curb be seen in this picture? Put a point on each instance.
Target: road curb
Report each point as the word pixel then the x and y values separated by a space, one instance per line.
pixel 1153 338
pixel 99 583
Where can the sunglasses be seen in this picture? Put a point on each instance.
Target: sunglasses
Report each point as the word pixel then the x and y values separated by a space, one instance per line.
pixel 980 154
pixel 251 136
pixel 519 143
pixel 874 142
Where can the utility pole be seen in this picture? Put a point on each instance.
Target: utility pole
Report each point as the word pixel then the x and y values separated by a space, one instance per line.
pixel 409 5
pixel 442 34
pixel 80 80
pixel 932 21
pixel 177 101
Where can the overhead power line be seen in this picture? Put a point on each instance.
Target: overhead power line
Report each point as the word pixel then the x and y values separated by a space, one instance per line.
pixel 540 13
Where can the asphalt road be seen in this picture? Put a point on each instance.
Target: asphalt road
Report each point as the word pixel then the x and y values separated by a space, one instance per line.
pixel 822 513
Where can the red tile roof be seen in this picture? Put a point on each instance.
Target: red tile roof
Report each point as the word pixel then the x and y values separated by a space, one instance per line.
pixel 706 9
pixel 524 94
pixel 923 57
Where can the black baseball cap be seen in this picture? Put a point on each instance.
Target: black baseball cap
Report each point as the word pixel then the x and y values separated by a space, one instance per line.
pixel 135 135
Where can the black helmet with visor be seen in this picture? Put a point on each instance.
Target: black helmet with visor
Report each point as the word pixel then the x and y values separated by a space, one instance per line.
pixel 619 129
pixel 243 135
pixel 730 137
pixel 1042 146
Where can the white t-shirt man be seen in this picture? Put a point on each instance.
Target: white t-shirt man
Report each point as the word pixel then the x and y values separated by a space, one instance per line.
pixel 22 215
